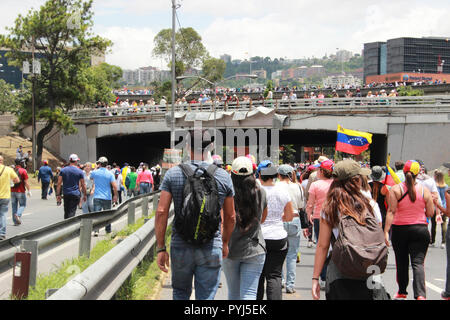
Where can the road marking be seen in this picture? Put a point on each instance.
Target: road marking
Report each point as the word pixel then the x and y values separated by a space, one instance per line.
pixel 441 280
pixel 433 287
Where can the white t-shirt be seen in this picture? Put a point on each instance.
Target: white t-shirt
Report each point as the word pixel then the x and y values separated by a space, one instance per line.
pixel 428 183
pixel 295 194
pixel 277 199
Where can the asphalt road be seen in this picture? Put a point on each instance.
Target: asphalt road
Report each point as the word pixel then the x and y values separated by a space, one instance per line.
pixel 435 269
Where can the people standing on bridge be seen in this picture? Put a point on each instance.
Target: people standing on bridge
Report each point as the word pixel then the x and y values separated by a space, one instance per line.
pixel 316 199
pixel 293 228
pixel 247 253
pixel 345 199
pixel 7 175
pixel 103 181
pixel 409 205
pixel 88 205
pixel 18 196
pixel 446 211
pixel 202 262
pixel 45 176
pixel 280 210
pixel 144 180
pixel 70 182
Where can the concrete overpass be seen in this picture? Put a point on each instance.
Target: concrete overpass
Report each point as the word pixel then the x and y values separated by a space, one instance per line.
pixel 407 128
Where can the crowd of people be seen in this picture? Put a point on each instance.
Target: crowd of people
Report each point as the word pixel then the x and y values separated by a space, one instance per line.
pixel 265 210
pixel 258 213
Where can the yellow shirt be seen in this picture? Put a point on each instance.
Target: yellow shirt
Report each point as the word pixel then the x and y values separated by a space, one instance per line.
pixel 5 181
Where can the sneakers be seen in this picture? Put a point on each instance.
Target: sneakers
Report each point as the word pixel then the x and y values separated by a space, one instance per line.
pixel 95 233
pixel 432 245
pixel 445 296
pixel 17 220
pixel 290 290
pixel 399 296
pixel 2 237
pixel 443 246
pixel 421 298
pixel 310 244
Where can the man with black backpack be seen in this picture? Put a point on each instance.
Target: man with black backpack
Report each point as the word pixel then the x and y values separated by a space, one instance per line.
pixel 18 197
pixel 200 236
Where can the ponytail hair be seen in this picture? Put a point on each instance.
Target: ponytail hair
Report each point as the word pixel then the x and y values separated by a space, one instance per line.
pixel 410 184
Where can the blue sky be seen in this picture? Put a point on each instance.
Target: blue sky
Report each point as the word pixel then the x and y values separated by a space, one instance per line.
pixel 282 28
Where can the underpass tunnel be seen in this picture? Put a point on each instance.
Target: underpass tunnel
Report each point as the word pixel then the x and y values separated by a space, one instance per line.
pixel 149 147
pixel 134 149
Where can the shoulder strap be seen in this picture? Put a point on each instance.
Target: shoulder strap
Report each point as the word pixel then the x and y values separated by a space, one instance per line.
pixel 4 167
pixel 187 170
pixel 212 169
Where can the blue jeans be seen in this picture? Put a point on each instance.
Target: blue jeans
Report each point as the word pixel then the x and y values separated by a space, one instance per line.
pixel 243 277
pixel 4 206
pixel 18 203
pixel 101 205
pixel 45 186
pixel 293 230
pixel 145 188
pixel 88 206
pixel 202 263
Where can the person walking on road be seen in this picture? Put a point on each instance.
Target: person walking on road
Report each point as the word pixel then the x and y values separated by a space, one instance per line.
pixel 18 196
pixel 409 205
pixel 280 210
pixel 88 205
pixel 440 216
pixel 245 261
pixel 380 192
pixel 316 198
pixel 7 175
pixel 45 176
pixel 201 262
pixel 293 228
pixel 144 181
pixel 446 211
pixel 345 200
pixel 130 181
pixel 104 181
pixel 71 185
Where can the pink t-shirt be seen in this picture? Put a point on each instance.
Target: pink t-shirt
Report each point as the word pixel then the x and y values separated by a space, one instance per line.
pixel 145 176
pixel 408 212
pixel 317 196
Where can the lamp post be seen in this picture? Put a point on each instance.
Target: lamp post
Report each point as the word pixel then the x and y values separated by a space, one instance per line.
pixel 214 84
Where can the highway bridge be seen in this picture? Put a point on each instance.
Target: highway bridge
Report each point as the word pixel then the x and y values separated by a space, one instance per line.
pixel 405 127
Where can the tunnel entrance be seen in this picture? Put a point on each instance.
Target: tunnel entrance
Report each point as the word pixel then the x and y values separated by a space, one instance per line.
pixel 149 147
pixel 134 149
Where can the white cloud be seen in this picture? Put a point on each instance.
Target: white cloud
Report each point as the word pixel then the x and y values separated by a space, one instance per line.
pixel 132 47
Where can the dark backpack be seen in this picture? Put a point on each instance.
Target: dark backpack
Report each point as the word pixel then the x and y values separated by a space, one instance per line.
pixel 16 185
pixel 199 218
pixel 359 247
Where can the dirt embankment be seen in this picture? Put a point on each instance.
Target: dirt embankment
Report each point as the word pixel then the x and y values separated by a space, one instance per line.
pixel 9 145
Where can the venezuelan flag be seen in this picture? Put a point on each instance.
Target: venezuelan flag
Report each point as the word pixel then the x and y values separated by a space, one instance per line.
pixel 351 141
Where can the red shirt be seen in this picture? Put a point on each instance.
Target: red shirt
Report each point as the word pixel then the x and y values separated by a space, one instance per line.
pixel 23 175
pixel 145 176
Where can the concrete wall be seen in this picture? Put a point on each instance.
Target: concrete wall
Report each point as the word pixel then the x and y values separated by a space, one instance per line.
pixel 424 141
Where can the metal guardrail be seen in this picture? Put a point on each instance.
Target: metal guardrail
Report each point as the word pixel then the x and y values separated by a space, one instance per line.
pixel 66 230
pixel 102 280
pixel 386 105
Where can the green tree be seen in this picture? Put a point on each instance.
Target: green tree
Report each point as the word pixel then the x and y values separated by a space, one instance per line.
pixel 213 69
pixel 61 32
pixel 287 153
pixel 189 49
pixel 408 91
pixel 9 100
pixel 113 74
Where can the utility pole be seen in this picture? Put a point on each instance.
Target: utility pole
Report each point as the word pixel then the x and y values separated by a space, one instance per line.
pixel 172 124
pixel 33 107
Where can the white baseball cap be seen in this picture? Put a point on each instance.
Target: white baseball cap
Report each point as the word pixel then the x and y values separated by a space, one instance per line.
pixel 242 166
pixel 74 157
pixel 103 160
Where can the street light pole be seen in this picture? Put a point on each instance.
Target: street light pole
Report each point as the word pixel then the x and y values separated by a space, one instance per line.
pixel 33 110
pixel 172 125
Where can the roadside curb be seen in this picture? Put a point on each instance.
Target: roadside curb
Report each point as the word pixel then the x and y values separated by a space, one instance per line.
pixel 159 286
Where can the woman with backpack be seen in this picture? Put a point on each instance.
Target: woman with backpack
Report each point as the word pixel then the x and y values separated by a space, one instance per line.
pixel 247 253
pixel 409 205
pixel 380 191
pixel 347 209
